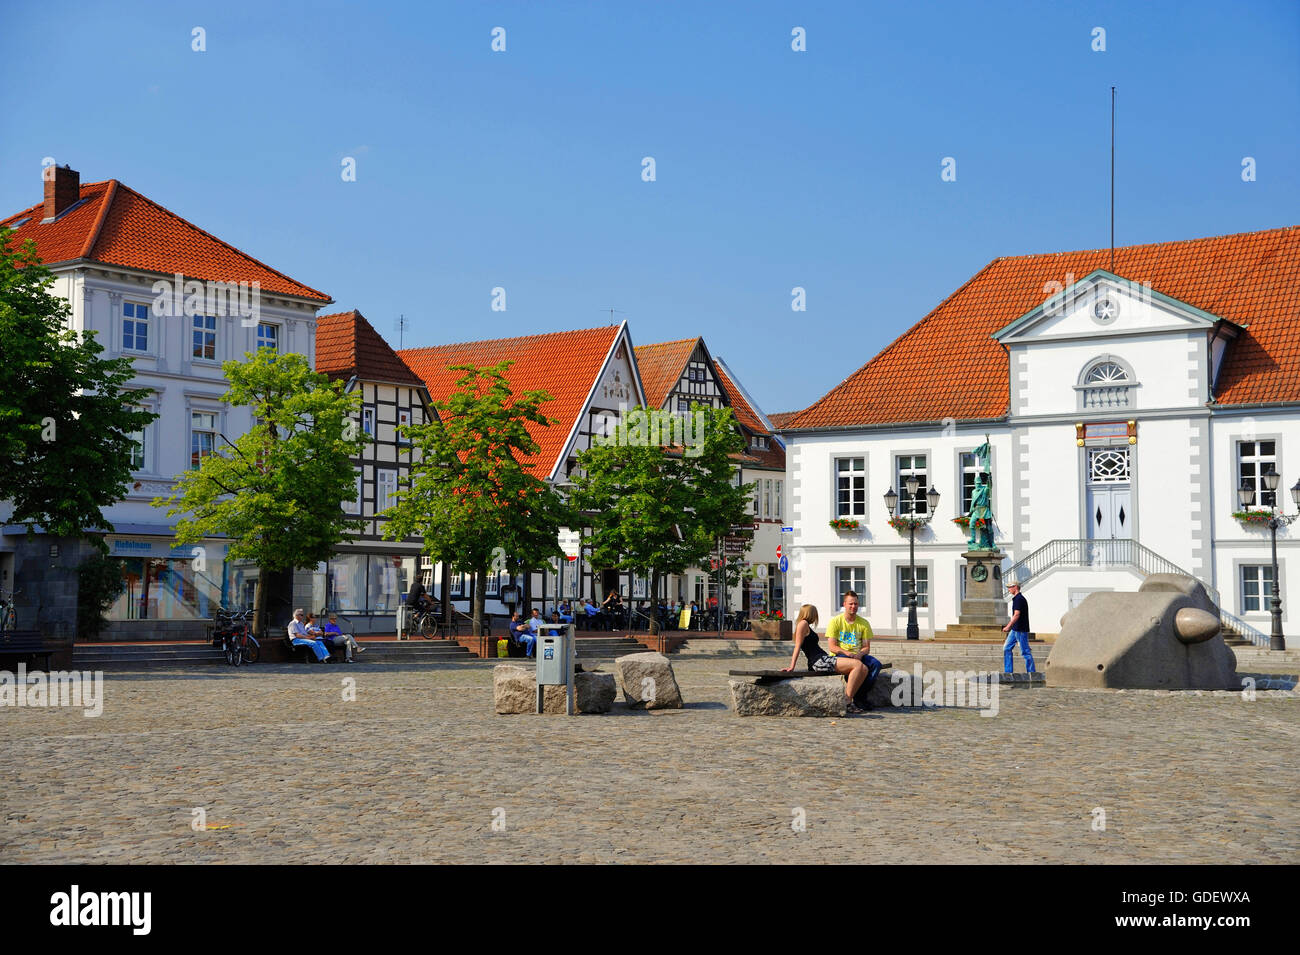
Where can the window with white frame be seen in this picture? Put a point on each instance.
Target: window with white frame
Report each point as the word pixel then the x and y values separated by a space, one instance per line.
pixel 905 586
pixel 268 336
pixel 135 327
pixel 767 498
pixel 970 466
pixel 908 464
pixel 205 337
pixel 777 501
pixel 683 406
pixel 368 421
pixel 385 489
pixel 1256 587
pixel 354 506
pixel 203 436
pixel 139 448
pixel 850 578
pixel 1254 458
pixel 850 487
pixel 403 420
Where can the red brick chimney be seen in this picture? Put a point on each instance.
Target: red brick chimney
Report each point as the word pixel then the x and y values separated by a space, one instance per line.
pixel 62 189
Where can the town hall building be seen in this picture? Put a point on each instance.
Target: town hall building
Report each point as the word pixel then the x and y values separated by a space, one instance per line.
pixel 1128 397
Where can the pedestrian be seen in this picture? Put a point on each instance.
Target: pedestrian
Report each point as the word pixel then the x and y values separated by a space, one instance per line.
pixel 1017 629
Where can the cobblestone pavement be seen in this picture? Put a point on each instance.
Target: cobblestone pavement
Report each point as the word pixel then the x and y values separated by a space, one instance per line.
pixel 418 768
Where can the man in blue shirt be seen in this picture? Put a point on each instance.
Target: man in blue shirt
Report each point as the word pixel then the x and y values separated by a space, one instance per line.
pixel 522 634
pixel 1018 628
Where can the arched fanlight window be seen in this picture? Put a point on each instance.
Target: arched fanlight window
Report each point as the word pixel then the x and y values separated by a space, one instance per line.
pixel 1107 382
pixel 1106 373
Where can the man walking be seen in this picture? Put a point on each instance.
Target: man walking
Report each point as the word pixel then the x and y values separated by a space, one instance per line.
pixel 1018 630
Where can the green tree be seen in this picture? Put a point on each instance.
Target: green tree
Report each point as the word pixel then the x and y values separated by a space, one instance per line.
pixel 470 493
pixel 277 491
pixel 657 507
pixel 66 414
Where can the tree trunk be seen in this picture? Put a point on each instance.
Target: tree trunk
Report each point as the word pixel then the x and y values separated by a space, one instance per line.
pixel 446 600
pixel 259 605
pixel 480 583
pixel 654 602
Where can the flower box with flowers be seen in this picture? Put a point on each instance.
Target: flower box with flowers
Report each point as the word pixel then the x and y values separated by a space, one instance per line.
pixel 1252 517
pixel 771 625
pixel 845 524
pixel 905 524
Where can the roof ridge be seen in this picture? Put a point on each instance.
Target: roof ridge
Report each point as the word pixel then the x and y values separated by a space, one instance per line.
pixel 514 338
pixel 241 252
pixel 675 341
pixel 1144 245
pixel 109 195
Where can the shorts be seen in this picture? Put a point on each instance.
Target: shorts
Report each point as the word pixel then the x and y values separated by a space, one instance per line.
pixel 823 664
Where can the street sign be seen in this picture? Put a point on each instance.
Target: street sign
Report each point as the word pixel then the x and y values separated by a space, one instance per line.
pixel 570 542
pixel 785 564
pixel 761 571
pixel 778 550
pixel 787 530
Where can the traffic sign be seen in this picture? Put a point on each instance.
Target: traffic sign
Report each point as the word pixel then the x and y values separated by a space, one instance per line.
pixel 787 530
pixel 778 550
pixel 785 564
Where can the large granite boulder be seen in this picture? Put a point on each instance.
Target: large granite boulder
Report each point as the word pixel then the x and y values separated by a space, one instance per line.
pixel 514 690
pixel 812 696
pixel 647 679
pixel 1164 637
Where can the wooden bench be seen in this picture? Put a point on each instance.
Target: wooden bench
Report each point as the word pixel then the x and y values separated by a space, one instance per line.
pixel 24 643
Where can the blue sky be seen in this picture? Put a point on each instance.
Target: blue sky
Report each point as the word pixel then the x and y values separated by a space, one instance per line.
pixel 774 168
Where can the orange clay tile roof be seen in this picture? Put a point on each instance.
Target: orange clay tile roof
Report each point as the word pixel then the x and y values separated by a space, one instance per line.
pixel 773 456
pixel 116 225
pixel 739 406
pixel 661 366
pixel 565 364
pixel 780 419
pixel 348 346
pixel 947 365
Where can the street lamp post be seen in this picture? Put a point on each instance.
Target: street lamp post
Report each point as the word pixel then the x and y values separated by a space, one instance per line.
pixel 912 484
pixel 1246 496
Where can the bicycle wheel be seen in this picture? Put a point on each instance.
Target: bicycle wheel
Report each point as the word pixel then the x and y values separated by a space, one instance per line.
pixel 231 651
pixel 9 619
pixel 252 652
pixel 428 626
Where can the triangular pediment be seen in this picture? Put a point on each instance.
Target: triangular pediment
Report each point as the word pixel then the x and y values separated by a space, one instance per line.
pixel 1104 305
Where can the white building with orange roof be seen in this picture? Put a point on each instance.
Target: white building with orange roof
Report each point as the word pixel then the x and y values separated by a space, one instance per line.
pixel 1127 400
pixel 178 302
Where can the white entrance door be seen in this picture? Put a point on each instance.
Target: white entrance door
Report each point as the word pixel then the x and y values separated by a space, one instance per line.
pixel 1110 496
pixel 1110 512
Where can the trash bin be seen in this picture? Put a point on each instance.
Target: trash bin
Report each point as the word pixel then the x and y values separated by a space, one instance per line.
pixel 555 653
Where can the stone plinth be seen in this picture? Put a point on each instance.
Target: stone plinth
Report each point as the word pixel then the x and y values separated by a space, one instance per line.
pixel 984 611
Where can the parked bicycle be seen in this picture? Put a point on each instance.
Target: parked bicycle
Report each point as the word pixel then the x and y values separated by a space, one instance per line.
pixel 232 631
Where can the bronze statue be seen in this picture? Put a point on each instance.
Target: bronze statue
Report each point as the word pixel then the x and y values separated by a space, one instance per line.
pixel 981 534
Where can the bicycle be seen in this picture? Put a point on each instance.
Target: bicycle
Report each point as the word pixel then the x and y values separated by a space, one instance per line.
pixel 233 633
pixel 8 615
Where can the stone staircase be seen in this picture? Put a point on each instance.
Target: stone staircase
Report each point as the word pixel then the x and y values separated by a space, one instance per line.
pixel 413 651
pixel 606 647
pixel 144 656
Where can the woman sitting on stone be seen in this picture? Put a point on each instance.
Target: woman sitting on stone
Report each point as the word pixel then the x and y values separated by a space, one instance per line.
pixel 819 661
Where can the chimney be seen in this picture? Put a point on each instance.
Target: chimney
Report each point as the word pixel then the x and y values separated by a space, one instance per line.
pixel 62 189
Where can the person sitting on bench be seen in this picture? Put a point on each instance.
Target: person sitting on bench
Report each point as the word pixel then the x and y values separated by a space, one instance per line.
pixel 335 637
pixel 299 636
pixel 522 634
pixel 849 638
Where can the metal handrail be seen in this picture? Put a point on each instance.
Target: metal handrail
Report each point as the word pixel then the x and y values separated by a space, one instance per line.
pixel 1087 552
pixel 1237 625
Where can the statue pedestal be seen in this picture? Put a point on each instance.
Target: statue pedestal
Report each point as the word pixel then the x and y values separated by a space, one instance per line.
pixel 984 611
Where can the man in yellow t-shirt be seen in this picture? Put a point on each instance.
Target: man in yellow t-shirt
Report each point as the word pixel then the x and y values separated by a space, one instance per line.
pixel 849 635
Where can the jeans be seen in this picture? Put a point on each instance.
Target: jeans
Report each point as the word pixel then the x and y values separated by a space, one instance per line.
pixel 342 640
pixel 317 647
pixel 1014 637
pixel 529 641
